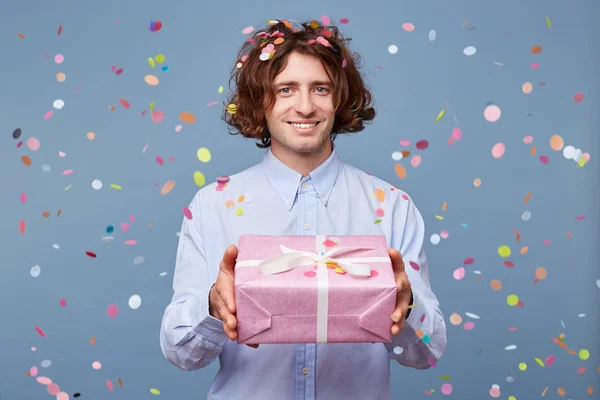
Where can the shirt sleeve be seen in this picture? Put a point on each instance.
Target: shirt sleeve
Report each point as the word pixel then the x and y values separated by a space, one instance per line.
pixel 190 338
pixel 423 340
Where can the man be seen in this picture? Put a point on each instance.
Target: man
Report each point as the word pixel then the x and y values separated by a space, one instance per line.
pixel 296 95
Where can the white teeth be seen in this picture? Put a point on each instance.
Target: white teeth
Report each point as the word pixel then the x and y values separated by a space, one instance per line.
pixel 304 126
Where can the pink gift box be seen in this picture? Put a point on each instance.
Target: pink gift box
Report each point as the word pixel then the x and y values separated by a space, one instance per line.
pixel 309 302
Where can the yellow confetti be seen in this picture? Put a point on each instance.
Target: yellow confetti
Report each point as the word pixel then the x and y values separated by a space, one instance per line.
pixel 239 212
pixel 68 187
pixel 160 58
pixel 512 300
pixel 440 115
pixel 548 22
pixel 584 354
pixel 522 366
pixel 154 391
pixel 504 251
pixel 152 107
pixel 439 217
pixel 203 154
pixel 115 186
pixel 537 360
pixel 220 89
pixel 340 270
pixel 199 178
pixel 151 62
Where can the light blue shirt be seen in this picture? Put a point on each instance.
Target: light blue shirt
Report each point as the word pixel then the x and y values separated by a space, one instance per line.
pixel 334 199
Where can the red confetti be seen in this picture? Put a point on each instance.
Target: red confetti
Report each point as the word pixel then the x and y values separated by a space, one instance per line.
pixel 40 331
pixel 89 253
pixel 59 30
pixel 580 217
pixel 509 264
pixel 422 144
pixel 22 227
pixel 119 71
pixel 468 260
pixel 125 103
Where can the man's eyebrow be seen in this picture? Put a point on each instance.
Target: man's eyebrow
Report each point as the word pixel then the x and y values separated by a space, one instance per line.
pixel 296 84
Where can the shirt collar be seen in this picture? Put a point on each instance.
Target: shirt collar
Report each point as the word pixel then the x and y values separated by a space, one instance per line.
pixel 286 181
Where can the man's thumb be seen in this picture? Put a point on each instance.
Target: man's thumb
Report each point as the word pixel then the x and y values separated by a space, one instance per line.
pixel 230 256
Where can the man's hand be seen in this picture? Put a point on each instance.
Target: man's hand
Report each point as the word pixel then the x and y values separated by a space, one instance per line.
pixel 222 296
pixel 404 294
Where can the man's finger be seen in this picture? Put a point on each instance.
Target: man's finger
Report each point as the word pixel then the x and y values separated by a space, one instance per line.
pixel 228 298
pixel 228 262
pixel 397 262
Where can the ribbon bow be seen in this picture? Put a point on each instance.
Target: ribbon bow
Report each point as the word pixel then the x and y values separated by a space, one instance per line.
pixel 290 259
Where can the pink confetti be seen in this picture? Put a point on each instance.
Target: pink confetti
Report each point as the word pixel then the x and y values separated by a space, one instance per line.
pixel 344 63
pixel 456 133
pixel 62 302
pixel 44 380
pixel 160 160
pixel 405 143
pixel 23 197
pixel 459 273
pixel 544 159
pixel 528 139
pixel 62 396
pixel 187 213
pixel 414 265
pixel 550 360
pixel 40 331
pixel 446 389
pixel 415 161
pixel 124 103
pixel 534 65
pixel 325 20
pixel 157 116
pixel 422 144
pixel 53 389
pixel 119 71
pixel 469 325
pixel 48 115
pixel 578 98
pixel 131 218
pixel 109 385
pixel 310 274
pixel 145 147
pixel 546 241
pixel 130 242
pixel 178 128
pixel 580 217
pixel 33 144
pixel 468 260
pixel 408 27
pixel 33 371
pixel 498 150
pixel 212 103
pixel 344 20
pixel 125 227
pixel 68 172
pixel 380 212
pixel 112 310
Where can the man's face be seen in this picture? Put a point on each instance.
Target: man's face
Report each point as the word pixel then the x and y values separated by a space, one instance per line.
pixel 303 98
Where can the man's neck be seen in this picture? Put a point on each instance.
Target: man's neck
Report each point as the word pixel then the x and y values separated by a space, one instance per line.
pixel 303 163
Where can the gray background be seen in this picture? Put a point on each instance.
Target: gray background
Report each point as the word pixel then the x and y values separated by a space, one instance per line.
pixel 200 41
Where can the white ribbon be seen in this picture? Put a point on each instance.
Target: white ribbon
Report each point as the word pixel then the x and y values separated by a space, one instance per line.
pixel 290 259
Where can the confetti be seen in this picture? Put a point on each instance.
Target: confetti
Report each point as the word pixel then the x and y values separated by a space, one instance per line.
pixel 155 26
pixel 469 50
pixel 187 117
pixel 492 113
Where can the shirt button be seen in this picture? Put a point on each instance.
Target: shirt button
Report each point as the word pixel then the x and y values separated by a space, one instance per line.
pixel 306 226
pixel 288 202
pixel 305 185
pixel 305 371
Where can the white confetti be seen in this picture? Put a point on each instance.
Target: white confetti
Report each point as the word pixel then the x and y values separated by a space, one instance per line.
pixel 432 35
pixel 56 246
pixel 398 350
pixel 435 239
pixel 135 301
pixel 46 168
pixel 58 104
pixel 526 216
pixel 511 347
pixel 35 271
pixel 138 260
pixel 393 49
pixel 397 156
pixel 97 184
pixel 46 363
pixel 471 315
pixel 469 50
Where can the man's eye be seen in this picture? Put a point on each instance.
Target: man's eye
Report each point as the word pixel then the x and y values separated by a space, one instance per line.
pixel 280 90
pixel 326 89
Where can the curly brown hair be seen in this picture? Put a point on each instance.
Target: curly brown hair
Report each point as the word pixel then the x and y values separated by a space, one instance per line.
pixel 263 57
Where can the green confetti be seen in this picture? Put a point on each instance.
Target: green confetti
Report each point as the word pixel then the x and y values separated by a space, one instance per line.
pixel 440 115
pixel 377 221
pixel 548 22
pixel 152 104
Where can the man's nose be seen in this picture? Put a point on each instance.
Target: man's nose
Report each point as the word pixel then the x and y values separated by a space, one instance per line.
pixel 304 103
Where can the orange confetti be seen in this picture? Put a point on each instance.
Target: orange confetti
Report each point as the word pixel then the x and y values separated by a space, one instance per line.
pixel 93 340
pixel 26 160
pixel 518 237
pixel 496 284
pixel 444 206
pixel 591 390
pixel 124 103
pixel 524 249
pixel 561 391
pixel 405 153
pixel 241 199
pixel 541 273
pixel 112 108
pixel 572 352
pixel 527 198
pixel 59 211
pixel 22 227
pixel 400 171
pixel 562 344
pixel 536 49
pixel 532 151
pixel 167 187
pixel 45 214
pixel 544 392
pixel 464 23
pixel 187 117
pixel 150 224
pixel 21 35
pixel 380 195
pixel 120 383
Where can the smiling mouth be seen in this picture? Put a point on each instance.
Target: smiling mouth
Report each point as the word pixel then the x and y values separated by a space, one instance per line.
pixel 302 125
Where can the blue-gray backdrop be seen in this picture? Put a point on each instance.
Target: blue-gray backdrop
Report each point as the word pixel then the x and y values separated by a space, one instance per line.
pixel 87 159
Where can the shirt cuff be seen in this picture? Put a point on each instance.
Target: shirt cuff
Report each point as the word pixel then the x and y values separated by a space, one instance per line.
pixel 209 327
